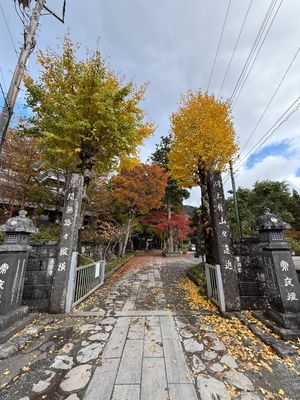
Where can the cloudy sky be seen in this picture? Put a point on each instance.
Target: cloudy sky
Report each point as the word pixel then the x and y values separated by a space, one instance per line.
pixel 172 45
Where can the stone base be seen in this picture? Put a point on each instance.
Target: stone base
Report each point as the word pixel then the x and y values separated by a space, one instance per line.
pixel 287 321
pixel 284 333
pixel 253 302
pixel 12 323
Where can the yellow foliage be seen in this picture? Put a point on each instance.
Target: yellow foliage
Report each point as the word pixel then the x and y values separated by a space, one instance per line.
pixel 193 298
pixel 129 163
pixel 203 137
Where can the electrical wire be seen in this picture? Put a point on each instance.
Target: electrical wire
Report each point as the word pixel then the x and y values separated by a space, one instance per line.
pixel 280 121
pixel 271 99
pixel 273 129
pixel 254 46
pixel 235 47
pixel 9 31
pixel 257 53
pixel 219 45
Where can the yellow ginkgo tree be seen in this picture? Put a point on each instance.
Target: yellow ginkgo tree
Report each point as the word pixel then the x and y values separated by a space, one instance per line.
pixel 86 116
pixel 203 137
pixel 203 141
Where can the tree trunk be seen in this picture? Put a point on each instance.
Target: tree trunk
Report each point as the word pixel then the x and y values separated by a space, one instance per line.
pixel 170 228
pixel 127 234
pixel 205 218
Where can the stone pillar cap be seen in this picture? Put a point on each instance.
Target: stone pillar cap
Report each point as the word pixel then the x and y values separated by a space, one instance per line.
pixel 19 224
pixel 268 221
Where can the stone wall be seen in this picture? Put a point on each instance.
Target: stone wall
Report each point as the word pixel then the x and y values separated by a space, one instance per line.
pixel 251 276
pixel 39 276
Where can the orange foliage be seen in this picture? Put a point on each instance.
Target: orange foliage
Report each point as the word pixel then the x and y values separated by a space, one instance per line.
pixel 141 188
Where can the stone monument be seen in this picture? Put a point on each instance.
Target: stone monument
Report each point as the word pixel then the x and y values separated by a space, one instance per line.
pixel 222 243
pixel 13 259
pixel 67 243
pixel 282 285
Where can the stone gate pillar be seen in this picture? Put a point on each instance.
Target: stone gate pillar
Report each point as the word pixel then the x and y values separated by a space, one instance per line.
pixel 223 250
pixel 13 261
pixel 282 284
pixel 68 242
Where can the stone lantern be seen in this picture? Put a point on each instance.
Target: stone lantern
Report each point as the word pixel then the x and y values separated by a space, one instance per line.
pixel 13 260
pixel 282 285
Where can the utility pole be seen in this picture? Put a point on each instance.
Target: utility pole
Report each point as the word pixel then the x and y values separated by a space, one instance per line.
pixel 29 44
pixel 236 208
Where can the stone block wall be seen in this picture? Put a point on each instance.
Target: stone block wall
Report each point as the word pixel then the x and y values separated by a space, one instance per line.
pixel 251 276
pixel 39 276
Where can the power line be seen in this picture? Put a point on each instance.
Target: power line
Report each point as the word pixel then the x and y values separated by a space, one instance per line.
pixel 257 53
pixel 254 46
pixel 219 45
pixel 8 28
pixel 273 129
pixel 271 99
pixel 235 47
pixel 280 121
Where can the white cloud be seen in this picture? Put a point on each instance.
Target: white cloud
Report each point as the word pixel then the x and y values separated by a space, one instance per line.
pixel 278 168
pixel 172 44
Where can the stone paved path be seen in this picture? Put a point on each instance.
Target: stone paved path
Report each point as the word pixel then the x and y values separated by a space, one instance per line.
pixel 135 338
pixel 152 354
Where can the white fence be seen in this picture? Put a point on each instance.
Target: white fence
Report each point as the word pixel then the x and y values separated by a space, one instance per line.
pixel 84 280
pixel 215 285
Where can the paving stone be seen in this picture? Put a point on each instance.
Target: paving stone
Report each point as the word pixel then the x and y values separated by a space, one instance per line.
pixel 130 369
pixel 239 380
pixel 108 321
pixel 43 384
pixel 216 367
pixel 85 343
pixel 67 348
pixel 89 352
pixel 249 396
pixel 211 388
pixel 211 335
pixel 35 330
pixel 192 346
pixel 154 382
pixel 137 328
pixel 108 328
pixel 229 361
pixel 218 346
pixel 197 364
pixel 20 340
pixel 98 337
pixel 186 334
pixel 206 327
pixel 126 392
pixel 102 383
pixel 76 379
pixel 89 327
pixel 8 351
pixel 182 392
pixel 177 370
pixel 72 397
pixel 62 362
pixel 209 355
pixel 115 345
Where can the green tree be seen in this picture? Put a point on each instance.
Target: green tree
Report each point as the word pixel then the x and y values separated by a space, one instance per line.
pixel 85 116
pixel 174 193
pixel 272 194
